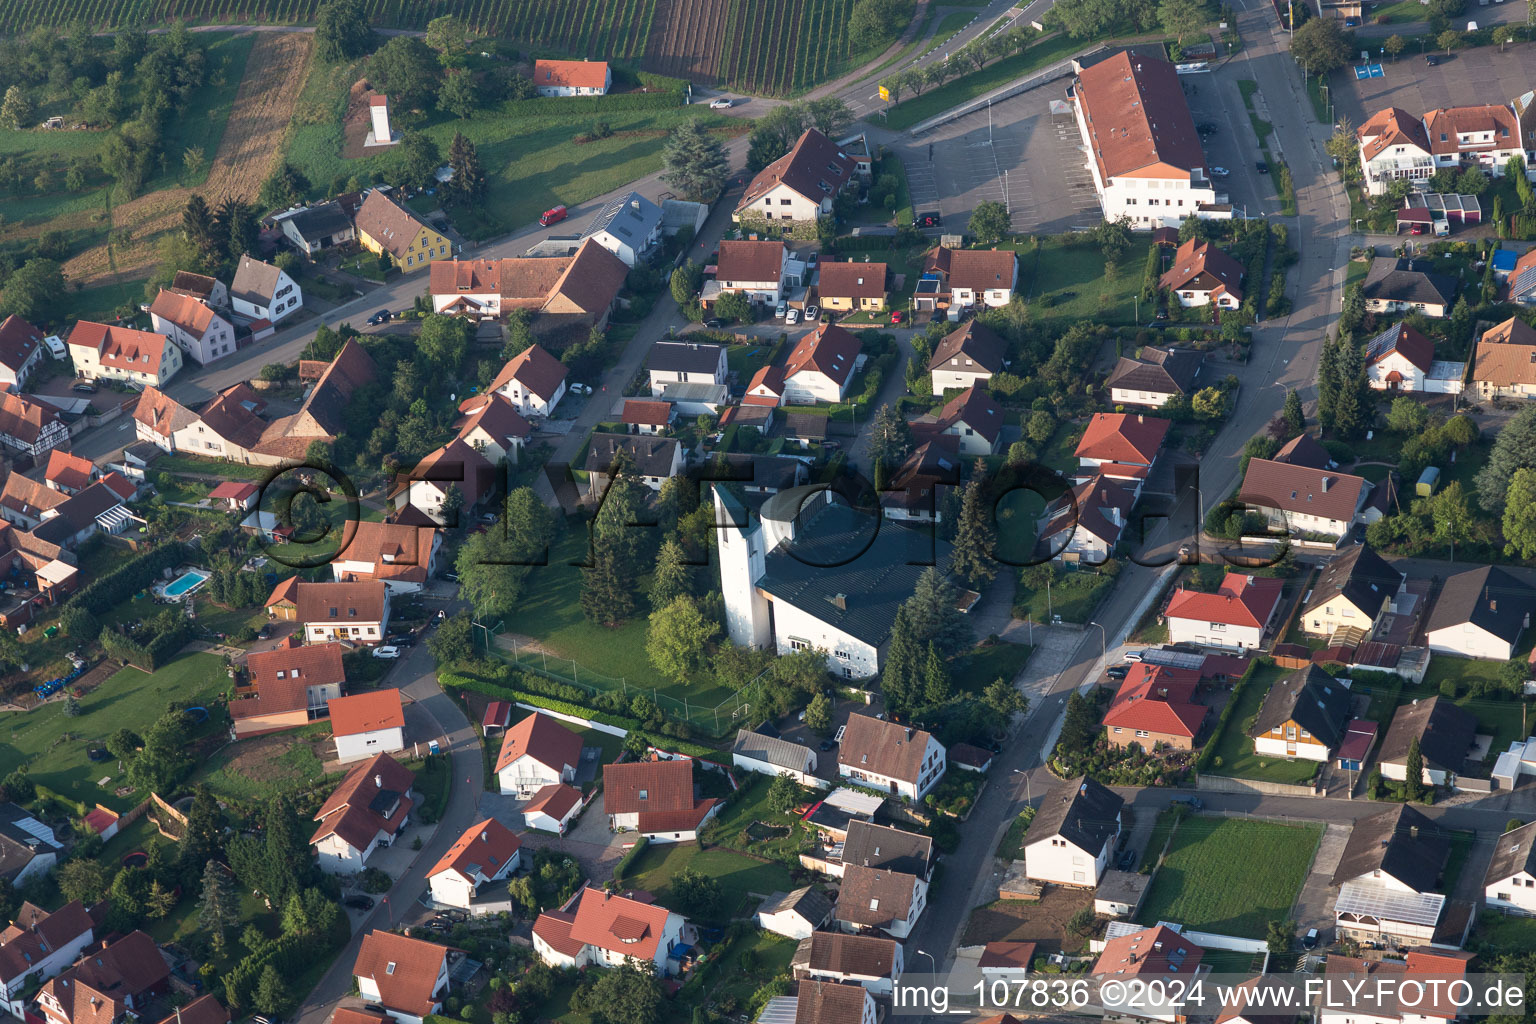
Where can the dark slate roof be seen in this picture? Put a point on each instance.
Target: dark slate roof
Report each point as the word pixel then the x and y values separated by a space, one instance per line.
pixel 1513 853
pixel 1311 698
pixel 1361 576
pixel 1159 370
pixel 683 357
pixel 1445 733
pixel 320 221
pixel 632 217
pixel 771 749
pixel 1400 842
pixel 1487 597
pixel 880 846
pixel 1081 811
pixel 834 561
pixel 1397 280
pixel 652 456
pixel 810 903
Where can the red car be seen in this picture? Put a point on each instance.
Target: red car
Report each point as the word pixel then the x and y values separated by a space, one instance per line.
pixel 896 316
pixel 552 216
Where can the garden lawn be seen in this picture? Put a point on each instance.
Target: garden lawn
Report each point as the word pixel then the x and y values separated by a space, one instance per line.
pixel 1234 747
pixel 253 770
pixel 1507 933
pixel 739 876
pixel 1073 597
pixel 751 805
pixel 1018 515
pixel 128 699
pixel 1064 280
pixel 1231 875
pixel 771 955
pixel 996 661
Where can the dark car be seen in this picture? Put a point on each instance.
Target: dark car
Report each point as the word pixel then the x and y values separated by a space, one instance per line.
pixel 1431 59
pixel 1207 128
pixel 1194 802
pixel 1118 671
pixel 381 317
pixel 1310 942
pixel 824 746
pixel 1128 860
pixel 714 323
pixel 375 1008
pixel 927 220
pixel 358 901
pixel 83 388
pixel 1261 167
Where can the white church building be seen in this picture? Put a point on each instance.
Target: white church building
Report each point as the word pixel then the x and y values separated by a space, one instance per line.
pixel 812 572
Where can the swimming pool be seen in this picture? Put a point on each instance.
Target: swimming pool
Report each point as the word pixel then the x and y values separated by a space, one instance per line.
pixel 186 583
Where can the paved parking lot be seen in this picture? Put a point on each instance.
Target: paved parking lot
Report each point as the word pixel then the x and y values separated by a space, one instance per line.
pixel 1467 77
pixel 1216 99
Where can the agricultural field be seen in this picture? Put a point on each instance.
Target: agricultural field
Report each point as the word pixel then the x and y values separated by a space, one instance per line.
pixel 1231 875
pixel 773 47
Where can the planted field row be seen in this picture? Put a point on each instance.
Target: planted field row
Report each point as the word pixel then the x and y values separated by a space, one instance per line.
pixel 786 46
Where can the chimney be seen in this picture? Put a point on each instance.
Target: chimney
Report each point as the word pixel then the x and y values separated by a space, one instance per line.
pixel 909 732
pixel 1326 481
pixel 485 837
pixel 1413 831
pixel 840 602
pixel 378 781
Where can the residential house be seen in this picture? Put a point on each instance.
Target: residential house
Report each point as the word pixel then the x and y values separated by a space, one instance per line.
pixel 1204 275
pixel 882 846
pixel 1486 136
pixel 113 982
pixel 771 755
pixel 552 808
pixel 1303 500
pixel 1074 833
pixel 969 279
pixel 385 228
pixel 142 358
pixel 1085 523
pixel 628 226
pixel 1481 613
pixel 193 325
pixel 851 287
pixel 685 362
pixel 1155 376
pixel 205 1009
pixel 888 756
pixel 1144 155
pixel 1522 279
pixel 798 187
pixel 1388 877
pixel 202 287
pixel 821 366
pixel 21 349
pixel 966 356
pixel 1155 707
pixel 1304 715
pixel 1394 147
pixel 912 495
pixel 567 296
pixel 1355 589
pixel 403 557
pixel 29 427
pixel 262 291
pixel 572 77
pixel 652 459
pixel 1395 285
pixel 1122 446
pixel 367 724
pixel 353 612
pixel 39 944
pixel 408 977
pixel 879 900
pixel 1005 961
pixel 1504 363
pixel 1243 1007
pixel 235 496
pixel 829 1002
pixel 491 425
pixel 430 485
pixel 537 752
pixel 795 915
pixel 291 685
pixel 370 809
pixel 1438 967
pixel 870 961
pixel 79 516
pixel 1399 359
pixel 533 381
pixel 751 269
pixel 1445 733
pixel 317 228
pixel 485 854
pixel 972 417
pixel 69 474
pixel 656 799
pixel 641 416
pixel 1509 884
pixel 1236 617
pixel 1155 956
pixel 602 929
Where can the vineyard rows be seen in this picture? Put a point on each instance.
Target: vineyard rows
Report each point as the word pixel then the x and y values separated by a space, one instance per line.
pixel 766 46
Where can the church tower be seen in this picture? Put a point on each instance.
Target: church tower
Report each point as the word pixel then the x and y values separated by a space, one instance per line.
pixel 747 613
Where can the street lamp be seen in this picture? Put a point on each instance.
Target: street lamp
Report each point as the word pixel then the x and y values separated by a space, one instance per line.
pixel 1029 796
pixel 1103 644
pixel 931 960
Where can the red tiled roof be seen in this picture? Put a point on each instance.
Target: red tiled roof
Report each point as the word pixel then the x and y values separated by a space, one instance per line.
pixel 395 551
pixel 35 931
pixel 1123 437
pixel 770 378
pixel 1241 600
pixel 192 315
pixel 24 420
pixel 367 712
pixel 121 348
pixel 497 714
pixel 618 923
pixel 1157 950
pixel 1200 266
pixel 1137 117
pixel 648 786
pixel 349 812
pixel 483 849
pixel 235 490
pixel 347 1015
pixel 573 74
pixel 851 280
pixel 683 819
pixel 1157 699
pixel 68 470
pixel 555 800
pixel 554 927
pixel 827 1002
pixel 535 369
pixel 495 414
pixel 641 412
pixel 1391 127
pixel 286 592
pixel 405 970
pixel 388 223
pixel 283 675
pixel 162 413
pixel 19 340
pixel 1497 119
pixel 1327 494
pixel 1007 954
pixel 829 349
pixel 750 261
pixel 543 738
pixel 341 602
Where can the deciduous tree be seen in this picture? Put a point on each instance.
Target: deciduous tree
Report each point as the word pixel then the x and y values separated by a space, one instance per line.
pixel 990 222
pixel 1319 46
pixel 341 31
pixel 678 639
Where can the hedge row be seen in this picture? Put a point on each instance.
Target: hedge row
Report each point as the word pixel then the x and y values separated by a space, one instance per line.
pixel 129 578
pixel 148 656
pixel 292 955
pixel 1203 761
pixel 627 861
pixel 453 680
pixel 566 106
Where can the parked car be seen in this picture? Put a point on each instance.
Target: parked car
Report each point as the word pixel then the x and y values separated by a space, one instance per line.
pixel 824 746
pixel 357 901
pixel 387 651
pixel 1194 802
pixel 1117 671
pixel 381 317
pixel 812 313
pixel 720 103
pixel 1431 59
pixel 1133 656
pixel 812 259
pixel 82 387
pixel 1219 172
pixel 792 317
pixel 1207 128
pixel 927 220
pixel 781 311
pixel 378 1007
pixel 581 389
pixel 897 316
pixel 1261 167
pixel 1310 941
pixel 1128 860
pixel 553 215
pixel 714 323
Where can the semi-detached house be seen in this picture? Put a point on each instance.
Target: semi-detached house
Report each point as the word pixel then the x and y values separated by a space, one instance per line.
pixel 1394 147
pixel 200 332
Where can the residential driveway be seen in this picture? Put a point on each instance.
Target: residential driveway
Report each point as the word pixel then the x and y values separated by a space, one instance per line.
pixel 590 842
pixel 1314 904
